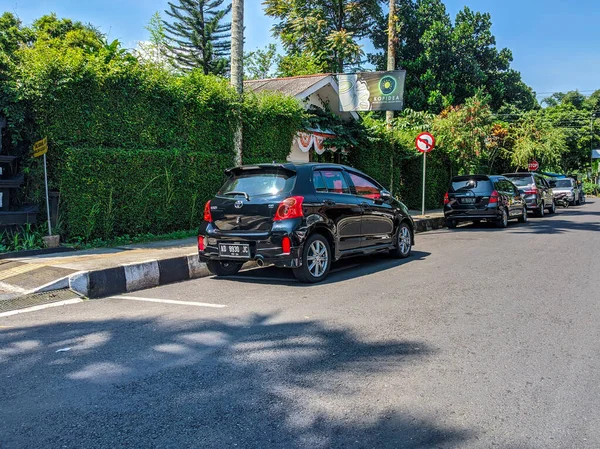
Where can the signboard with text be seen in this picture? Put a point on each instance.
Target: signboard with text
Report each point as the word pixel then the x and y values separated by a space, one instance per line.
pixel 40 147
pixel 372 91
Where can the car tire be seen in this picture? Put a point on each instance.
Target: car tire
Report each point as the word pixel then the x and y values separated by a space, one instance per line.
pixel 503 222
pixel 523 218
pixel 552 209
pixel 224 268
pixel 404 242
pixel 316 260
pixel 451 224
pixel 541 210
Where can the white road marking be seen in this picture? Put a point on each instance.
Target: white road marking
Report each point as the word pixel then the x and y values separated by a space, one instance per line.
pixel 171 301
pixel 41 307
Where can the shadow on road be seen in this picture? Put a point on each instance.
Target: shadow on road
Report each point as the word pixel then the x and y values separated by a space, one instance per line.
pixel 246 383
pixel 340 271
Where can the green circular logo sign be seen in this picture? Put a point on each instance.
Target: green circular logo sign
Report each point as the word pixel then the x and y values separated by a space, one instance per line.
pixel 387 85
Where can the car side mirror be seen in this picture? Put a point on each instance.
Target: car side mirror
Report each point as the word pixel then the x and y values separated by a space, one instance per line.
pixel 385 195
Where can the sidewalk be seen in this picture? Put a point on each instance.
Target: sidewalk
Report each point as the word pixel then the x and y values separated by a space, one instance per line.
pixel 103 272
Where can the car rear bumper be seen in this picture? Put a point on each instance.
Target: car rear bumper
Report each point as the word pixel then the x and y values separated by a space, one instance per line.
pixel 472 214
pixel 265 247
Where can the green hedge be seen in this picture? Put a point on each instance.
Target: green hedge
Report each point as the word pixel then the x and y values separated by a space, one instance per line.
pixel 105 193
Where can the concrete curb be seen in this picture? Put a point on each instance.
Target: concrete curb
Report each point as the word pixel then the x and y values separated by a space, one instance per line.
pixel 152 273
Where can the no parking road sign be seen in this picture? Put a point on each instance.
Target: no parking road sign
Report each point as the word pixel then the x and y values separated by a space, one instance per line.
pixel 425 142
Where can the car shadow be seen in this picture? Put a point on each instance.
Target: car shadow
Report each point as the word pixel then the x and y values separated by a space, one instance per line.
pixel 342 270
pixel 258 381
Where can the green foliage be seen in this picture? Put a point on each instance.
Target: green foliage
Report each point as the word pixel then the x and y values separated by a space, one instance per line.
pixel 197 37
pixel 21 239
pixel 258 64
pixel 449 62
pixel 270 122
pixel 590 188
pixel 116 192
pixel 328 30
pixel 298 65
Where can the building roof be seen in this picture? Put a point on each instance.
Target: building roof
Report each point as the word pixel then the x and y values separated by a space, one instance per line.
pixel 295 86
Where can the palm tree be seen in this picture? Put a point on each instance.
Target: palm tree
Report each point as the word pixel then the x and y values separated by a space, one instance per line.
pixel 237 65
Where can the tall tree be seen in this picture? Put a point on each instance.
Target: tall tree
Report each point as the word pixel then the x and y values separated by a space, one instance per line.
pixel 258 64
pixel 197 36
pixel 237 68
pixel 448 62
pixel 329 30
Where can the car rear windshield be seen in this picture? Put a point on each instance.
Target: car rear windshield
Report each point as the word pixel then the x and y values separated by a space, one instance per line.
pixel 562 183
pixel 521 181
pixel 259 183
pixel 475 185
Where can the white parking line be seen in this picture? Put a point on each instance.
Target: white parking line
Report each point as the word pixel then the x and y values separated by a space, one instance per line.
pixel 171 301
pixel 41 307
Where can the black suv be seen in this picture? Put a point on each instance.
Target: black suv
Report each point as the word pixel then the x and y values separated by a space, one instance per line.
pixel 300 216
pixel 480 197
pixel 536 191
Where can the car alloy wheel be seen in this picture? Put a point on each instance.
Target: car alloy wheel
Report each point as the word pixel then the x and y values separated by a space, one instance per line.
pixel 317 258
pixel 542 210
pixel 404 240
pixel 552 209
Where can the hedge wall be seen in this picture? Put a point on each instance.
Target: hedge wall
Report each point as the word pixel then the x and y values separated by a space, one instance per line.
pixel 115 192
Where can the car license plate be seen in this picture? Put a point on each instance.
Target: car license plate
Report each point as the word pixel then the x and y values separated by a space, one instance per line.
pixel 240 250
pixel 467 200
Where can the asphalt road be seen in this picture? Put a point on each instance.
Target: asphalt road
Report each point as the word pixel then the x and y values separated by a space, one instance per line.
pixel 486 338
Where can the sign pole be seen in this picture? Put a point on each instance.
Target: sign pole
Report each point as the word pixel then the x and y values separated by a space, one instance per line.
pixel 424 171
pixel 47 199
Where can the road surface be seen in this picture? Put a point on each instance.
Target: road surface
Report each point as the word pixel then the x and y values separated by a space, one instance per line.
pixel 484 338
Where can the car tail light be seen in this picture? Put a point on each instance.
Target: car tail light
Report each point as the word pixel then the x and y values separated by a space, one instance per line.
pixel 286 245
pixel 446 198
pixel 494 197
pixel 289 208
pixel 207 214
pixel 531 191
pixel 201 243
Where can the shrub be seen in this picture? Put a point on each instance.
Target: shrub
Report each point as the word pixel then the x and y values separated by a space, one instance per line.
pixel 105 193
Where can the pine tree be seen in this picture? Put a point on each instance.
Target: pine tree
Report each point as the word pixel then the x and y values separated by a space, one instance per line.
pixel 197 36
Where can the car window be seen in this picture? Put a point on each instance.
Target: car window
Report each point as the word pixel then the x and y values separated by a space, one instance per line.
pixel 319 182
pixel 477 186
pixel 335 181
pixel 521 181
pixel 539 181
pixel 262 182
pixel 564 183
pixel 504 187
pixel 364 187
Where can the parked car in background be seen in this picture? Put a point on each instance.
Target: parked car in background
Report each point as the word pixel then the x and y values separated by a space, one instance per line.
pixel 567 186
pixel 481 197
pixel 300 216
pixel 536 191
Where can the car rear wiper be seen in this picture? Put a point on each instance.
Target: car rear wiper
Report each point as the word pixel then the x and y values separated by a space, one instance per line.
pixel 238 193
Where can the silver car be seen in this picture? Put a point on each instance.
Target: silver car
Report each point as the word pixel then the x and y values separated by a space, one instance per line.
pixel 536 191
pixel 568 186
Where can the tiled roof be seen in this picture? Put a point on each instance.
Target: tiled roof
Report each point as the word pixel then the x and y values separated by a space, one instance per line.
pixel 293 86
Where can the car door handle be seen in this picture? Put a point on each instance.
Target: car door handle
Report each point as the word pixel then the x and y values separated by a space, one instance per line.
pixel 364 204
pixel 329 203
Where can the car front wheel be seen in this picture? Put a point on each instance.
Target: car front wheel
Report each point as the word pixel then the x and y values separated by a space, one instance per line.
pixel 403 242
pixel 541 210
pixel 552 209
pixel 523 218
pixel 223 268
pixel 316 260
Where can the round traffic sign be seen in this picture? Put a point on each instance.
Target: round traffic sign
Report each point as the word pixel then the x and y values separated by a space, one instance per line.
pixel 425 142
pixel 533 165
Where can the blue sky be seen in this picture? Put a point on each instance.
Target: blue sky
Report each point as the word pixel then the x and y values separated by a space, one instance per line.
pixel 556 43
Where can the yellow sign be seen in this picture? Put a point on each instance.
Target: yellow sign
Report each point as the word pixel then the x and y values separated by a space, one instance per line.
pixel 40 148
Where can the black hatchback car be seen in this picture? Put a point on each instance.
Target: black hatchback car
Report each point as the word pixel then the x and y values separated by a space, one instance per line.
pixel 300 216
pixel 480 197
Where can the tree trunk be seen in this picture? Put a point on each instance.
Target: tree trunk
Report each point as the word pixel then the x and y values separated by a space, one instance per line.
pixel 391 65
pixel 237 66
